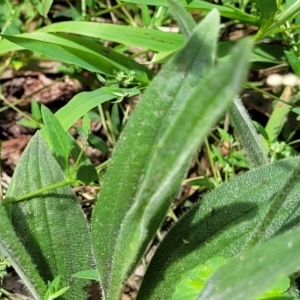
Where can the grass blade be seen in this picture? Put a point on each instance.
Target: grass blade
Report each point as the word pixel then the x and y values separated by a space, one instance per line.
pixel 248 134
pixel 79 105
pixel 80 52
pixel 225 11
pixel 151 39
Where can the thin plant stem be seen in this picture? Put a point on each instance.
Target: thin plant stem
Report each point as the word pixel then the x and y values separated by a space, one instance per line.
pixel 212 166
pixel 172 215
pixel 128 16
pixel 108 10
pixel 83 9
pixel 109 126
pixel 250 86
pixel 12 105
pixel 20 112
pixel 42 190
pixel 103 120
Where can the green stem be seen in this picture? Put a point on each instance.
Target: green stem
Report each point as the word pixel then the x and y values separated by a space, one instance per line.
pixel 20 112
pixel 273 208
pixel 250 86
pixel 83 9
pixel 108 10
pixel 42 190
pixel 212 165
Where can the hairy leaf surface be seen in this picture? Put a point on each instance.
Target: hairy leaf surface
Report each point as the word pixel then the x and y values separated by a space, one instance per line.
pixel 51 226
pixel 220 225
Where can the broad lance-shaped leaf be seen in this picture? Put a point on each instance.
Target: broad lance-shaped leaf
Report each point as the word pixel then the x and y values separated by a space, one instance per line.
pixel 252 272
pixel 176 147
pixel 174 144
pixel 51 226
pixel 220 225
pixel 242 122
pixel 12 248
pixel 153 115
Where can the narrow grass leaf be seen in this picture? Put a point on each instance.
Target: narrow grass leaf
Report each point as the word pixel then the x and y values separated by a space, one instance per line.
pixel 151 39
pixel 52 225
pixel 79 105
pixel 7 46
pixel 225 11
pixel 220 225
pixel 79 51
pixel 88 274
pixel 252 272
pixel 183 18
pixel 13 249
pixel 247 134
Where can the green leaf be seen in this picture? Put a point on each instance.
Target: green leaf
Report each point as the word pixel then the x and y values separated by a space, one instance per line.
pixel 294 61
pixel 88 274
pixel 220 225
pixel 183 18
pixel 225 11
pixel 248 134
pixel 194 280
pixel 79 105
pixel 51 225
pixel 239 115
pixel 252 272
pixel 144 128
pixel 57 139
pixel 98 143
pixel 266 7
pixel 79 51
pixel 151 39
pixel 12 248
pixel 42 6
pixel 36 111
pixel 164 136
pixel 60 292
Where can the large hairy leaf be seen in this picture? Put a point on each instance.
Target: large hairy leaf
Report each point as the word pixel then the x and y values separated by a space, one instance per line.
pixel 221 224
pixel 155 112
pixel 175 114
pixel 12 248
pixel 52 225
pixel 253 272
